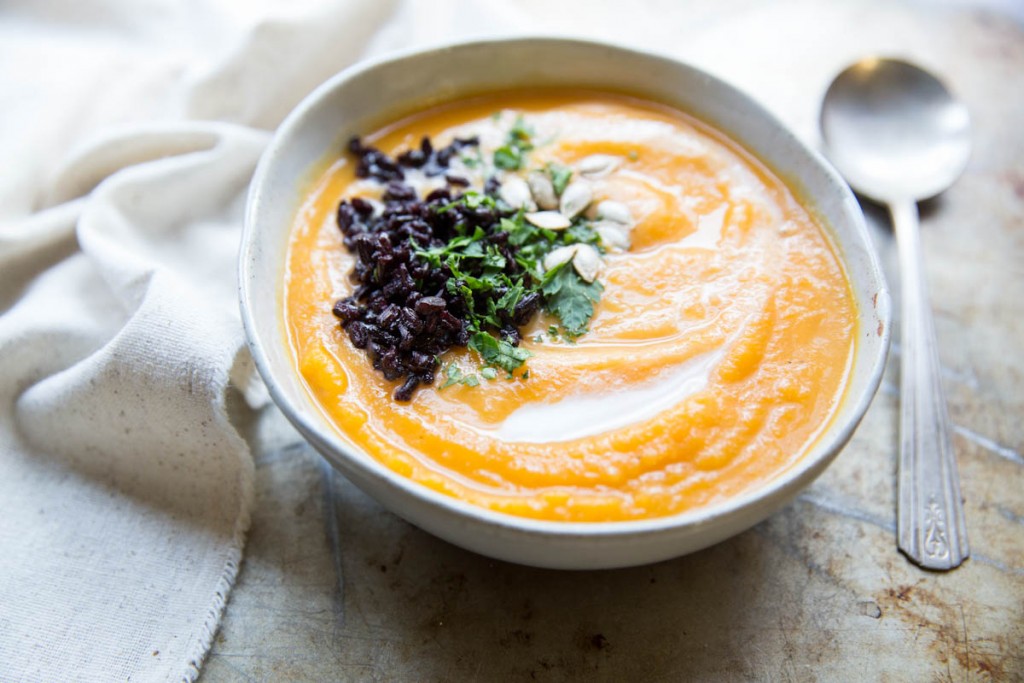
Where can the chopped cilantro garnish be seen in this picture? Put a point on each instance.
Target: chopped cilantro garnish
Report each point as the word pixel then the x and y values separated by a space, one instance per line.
pixel 498 352
pixel 520 131
pixel 492 288
pixel 435 273
pixel 508 158
pixel 518 142
pixel 470 199
pixel 454 376
pixel 571 298
pixel 560 176
pixel 581 232
pixel 473 159
pixel 575 305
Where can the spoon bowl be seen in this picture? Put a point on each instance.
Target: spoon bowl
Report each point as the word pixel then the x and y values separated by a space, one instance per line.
pixel 894 131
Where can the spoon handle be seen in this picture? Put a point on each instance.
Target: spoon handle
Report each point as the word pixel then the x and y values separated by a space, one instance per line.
pixel 931 525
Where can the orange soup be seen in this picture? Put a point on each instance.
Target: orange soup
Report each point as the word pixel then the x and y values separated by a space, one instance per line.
pixel 719 349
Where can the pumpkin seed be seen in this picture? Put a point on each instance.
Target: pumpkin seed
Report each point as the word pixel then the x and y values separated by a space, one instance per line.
pixel 597 165
pixel 576 198
pixel 516 193
pixel 549 220
pixel 586 261
pixel 543 190
pixel 557 257
pixel 617 212
pixel 613 235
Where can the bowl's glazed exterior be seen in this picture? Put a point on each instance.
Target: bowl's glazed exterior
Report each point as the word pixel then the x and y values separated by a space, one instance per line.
pixel 372 93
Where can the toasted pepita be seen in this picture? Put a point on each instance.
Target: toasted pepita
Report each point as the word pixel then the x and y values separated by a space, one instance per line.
pixel 557 257
pixel 576 198
pixel 613 235
pixel 617 212
pixel 586 261
pixel 516 193
pixel 543 190
pixel 597 165
pixel 549 220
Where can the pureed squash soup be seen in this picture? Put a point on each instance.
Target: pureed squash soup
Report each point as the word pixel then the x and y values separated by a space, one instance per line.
pixel 721 330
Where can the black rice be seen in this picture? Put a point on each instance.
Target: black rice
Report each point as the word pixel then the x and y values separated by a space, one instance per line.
pixel 402 313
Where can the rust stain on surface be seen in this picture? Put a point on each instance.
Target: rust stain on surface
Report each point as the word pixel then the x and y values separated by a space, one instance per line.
pixel 994 657
pixel 901 592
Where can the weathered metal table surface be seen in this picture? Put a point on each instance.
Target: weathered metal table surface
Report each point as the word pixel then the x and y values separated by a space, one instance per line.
pixel 335 588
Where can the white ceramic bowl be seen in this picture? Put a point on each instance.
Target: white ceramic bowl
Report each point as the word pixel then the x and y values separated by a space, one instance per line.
pixel 371 93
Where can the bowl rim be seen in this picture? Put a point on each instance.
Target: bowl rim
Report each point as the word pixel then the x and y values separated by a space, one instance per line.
pixel 788 483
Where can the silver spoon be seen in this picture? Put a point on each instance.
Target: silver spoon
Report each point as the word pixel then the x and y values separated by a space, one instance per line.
pixel 898 136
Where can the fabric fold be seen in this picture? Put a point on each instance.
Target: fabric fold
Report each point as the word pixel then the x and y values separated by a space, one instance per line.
pixel 126 487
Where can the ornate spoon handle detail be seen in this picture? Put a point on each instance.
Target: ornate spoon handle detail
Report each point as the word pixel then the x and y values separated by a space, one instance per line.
pixel 931 525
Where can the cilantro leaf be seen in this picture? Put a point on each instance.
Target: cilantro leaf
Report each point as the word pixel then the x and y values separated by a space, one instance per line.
pixel 475 159
pixel 508 157
pixel 455 376
pixel 471 199
pixel 580 232
pixel 498 352
pixel 511 297
pixel 493 259
pixel 518 142
pixel 571 298
pixel 521 131
pixel 519 231
pixel 560 176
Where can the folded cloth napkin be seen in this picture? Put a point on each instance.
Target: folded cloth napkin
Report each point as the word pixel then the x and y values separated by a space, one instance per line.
pixel 125 487
pixel 129 132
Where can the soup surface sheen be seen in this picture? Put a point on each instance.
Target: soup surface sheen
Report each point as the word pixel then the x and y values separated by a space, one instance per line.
pixel 719 351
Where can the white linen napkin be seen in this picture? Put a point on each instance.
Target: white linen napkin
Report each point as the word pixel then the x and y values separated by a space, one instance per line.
pixel 125 488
